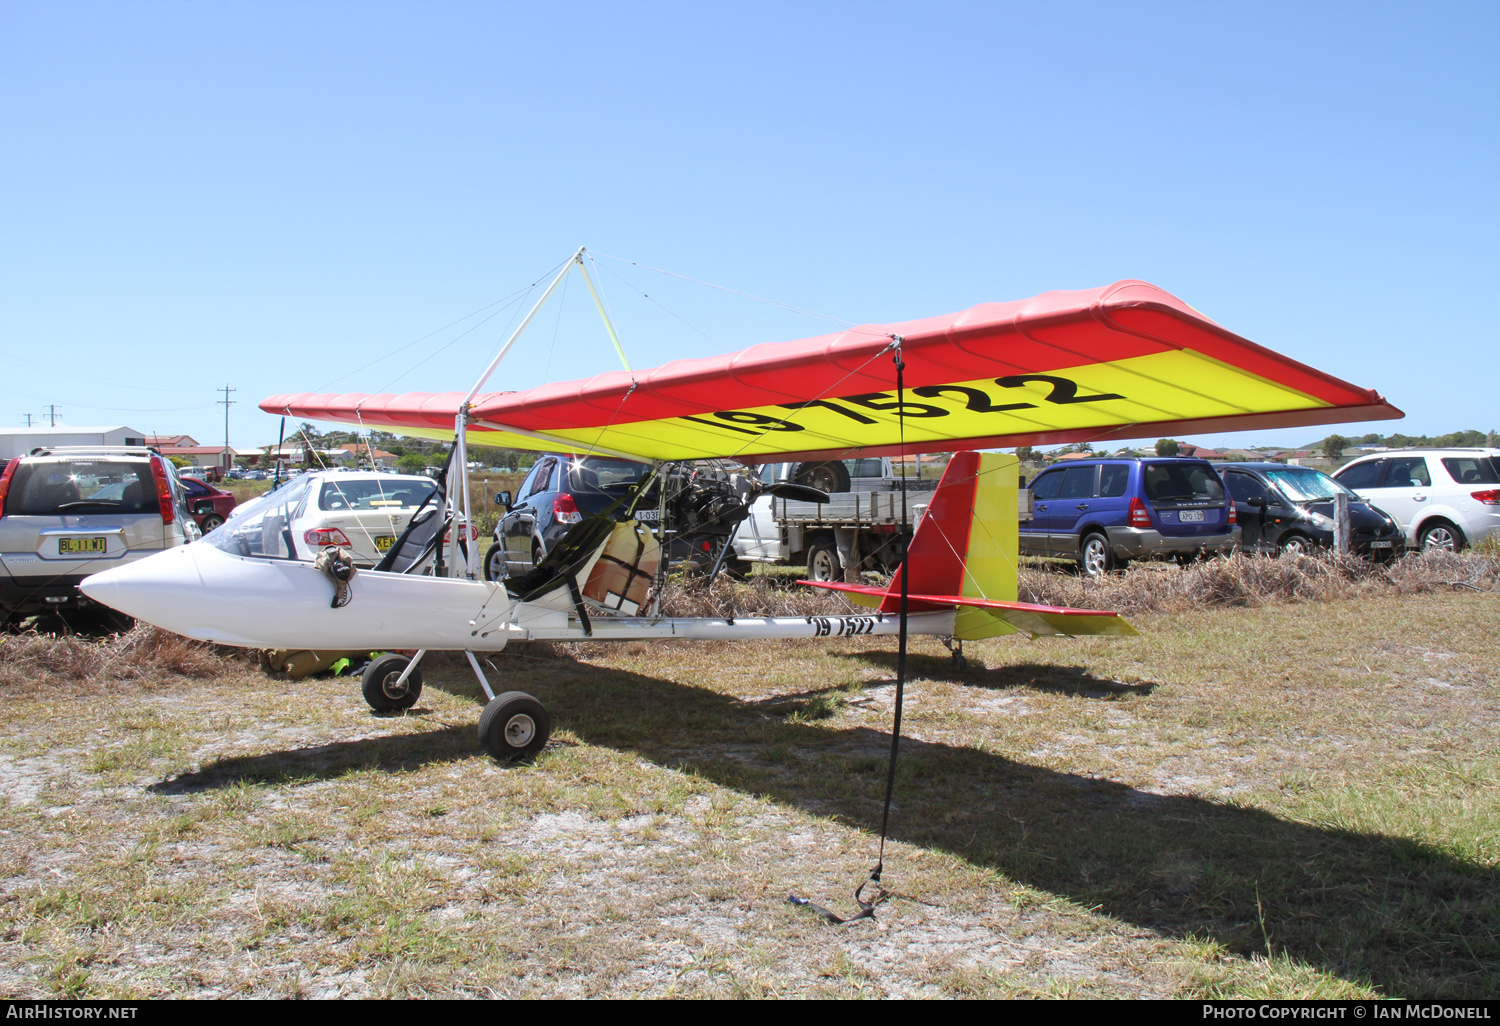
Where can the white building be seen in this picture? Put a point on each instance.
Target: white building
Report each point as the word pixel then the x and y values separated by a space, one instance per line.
pixel 20 441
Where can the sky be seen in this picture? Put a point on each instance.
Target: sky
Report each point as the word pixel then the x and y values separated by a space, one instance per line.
pixel 326 196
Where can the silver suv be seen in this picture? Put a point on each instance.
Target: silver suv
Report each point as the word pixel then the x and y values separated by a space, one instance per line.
pixel 1443 498
pixel 67 512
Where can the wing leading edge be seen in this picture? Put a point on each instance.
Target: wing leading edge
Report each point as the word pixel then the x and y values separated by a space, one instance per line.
pixel 1124 361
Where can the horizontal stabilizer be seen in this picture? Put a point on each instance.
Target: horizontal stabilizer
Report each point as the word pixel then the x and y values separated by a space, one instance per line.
pixel 1035 620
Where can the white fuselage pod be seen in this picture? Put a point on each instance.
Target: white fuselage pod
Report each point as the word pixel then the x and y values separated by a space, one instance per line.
pixel 201 592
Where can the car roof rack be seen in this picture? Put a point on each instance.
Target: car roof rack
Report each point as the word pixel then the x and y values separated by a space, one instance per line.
pixel 93 450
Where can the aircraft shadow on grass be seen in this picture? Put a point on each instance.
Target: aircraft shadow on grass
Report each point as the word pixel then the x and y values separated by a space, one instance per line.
pixel 1406 917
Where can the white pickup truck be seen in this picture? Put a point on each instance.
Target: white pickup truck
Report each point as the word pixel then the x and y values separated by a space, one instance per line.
pixel 859 528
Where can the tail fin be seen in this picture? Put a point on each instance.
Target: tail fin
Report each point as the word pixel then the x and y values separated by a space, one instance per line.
pixel 967 542
pixel 963 556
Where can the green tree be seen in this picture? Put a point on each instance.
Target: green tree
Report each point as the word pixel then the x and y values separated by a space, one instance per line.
pixel 411 463
pixel 1334 446
pixel 1167 447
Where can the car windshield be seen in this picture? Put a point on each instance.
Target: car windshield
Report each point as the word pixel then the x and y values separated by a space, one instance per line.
pixel 82 486
pixel 1303 484
pixel 1183 482
pixel 261 527
pixel 603 475
pixel 392 493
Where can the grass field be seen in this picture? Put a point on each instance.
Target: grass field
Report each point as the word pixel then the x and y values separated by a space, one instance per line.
pixel 1291 799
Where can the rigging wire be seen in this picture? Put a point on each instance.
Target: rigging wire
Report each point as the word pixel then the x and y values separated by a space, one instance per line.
pixel 735 292
pixel 401 349
pixel 660 304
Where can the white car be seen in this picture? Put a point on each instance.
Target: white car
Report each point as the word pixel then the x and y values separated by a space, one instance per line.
pixel 1443 498
pixel 363 512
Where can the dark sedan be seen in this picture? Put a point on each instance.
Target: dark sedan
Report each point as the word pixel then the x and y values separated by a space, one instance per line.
pixel 1284 508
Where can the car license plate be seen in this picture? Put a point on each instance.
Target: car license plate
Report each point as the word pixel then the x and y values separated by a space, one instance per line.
pixel 648 514
pixel 383 542
pixel 1191 516
pixel 80 546
pixel 1381 545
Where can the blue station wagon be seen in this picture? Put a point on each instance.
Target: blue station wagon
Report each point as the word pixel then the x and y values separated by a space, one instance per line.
pixel 1106 512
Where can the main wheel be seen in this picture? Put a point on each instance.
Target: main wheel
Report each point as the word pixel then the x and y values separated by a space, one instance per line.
pixel 210 522
pixel 1095 557
pixel 831 476
pixel 494 563
pixel 823 562
pixel 514 725
pixel 1439 534
pixel 381 690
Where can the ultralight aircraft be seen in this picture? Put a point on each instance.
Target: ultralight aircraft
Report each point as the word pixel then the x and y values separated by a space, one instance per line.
pixel 1124 361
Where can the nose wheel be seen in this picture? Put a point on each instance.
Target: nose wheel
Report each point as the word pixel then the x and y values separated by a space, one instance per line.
pixel 513 726
pixel 384 687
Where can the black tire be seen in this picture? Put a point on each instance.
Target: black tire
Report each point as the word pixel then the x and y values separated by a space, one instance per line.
pixel 828 476
pixel 823 563
pixel 514 726
pixel 1296 544
pixel 494 563
pixel 210 522
pixel 537 554
pixel 378 682
pixel 1095 555
pixel 1440 535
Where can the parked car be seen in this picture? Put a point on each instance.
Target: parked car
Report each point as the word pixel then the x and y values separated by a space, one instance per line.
pixel 559 492
pixel 360 511
pixel 1106 512
pixel 208 505
pixel 1290 509
pixel 1443 498
pixel 68 512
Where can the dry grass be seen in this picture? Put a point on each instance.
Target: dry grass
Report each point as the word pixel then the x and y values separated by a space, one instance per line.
pixel 760 595
pixel 1275 799
pixel 1257 580
pixel 33 663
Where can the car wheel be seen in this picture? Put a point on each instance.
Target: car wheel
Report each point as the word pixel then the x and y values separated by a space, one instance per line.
pixel 1296 545
pixel 1095 557
pixel 494 563
pixel 831 476
pixel 514 725
pixel 379 683
pixel 1439 534
pixel 537 553
pixel 210 522
pixel 823 563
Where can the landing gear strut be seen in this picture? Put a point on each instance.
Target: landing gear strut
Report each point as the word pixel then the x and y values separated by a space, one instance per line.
pixel 956 650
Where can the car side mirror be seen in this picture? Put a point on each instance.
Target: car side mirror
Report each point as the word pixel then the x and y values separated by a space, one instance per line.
pixel 1255 500
pixel 503 499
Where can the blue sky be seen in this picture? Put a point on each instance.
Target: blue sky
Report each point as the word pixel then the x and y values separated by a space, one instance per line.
pixel 280 197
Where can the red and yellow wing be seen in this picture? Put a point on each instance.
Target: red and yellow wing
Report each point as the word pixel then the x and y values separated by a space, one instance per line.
pixel 1124 361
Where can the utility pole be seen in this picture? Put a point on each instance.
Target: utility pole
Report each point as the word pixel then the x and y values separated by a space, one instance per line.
pixel 228 461
pixel 28 419
pixel 53 414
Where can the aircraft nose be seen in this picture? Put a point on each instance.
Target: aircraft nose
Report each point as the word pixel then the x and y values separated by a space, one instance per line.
pixel 162 589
